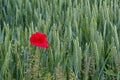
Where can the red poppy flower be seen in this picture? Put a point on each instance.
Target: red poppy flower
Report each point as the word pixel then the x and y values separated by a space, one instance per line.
pixel 39 39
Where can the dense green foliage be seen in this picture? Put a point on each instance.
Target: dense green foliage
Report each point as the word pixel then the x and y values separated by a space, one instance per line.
pixel 83 36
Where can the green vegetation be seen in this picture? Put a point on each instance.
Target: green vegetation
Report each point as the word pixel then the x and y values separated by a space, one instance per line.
pixel 83 36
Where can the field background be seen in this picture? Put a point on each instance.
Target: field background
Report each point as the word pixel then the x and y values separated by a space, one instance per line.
pixel 83 36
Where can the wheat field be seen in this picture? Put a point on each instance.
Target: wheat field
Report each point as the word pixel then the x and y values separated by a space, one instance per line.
pixel 83 37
